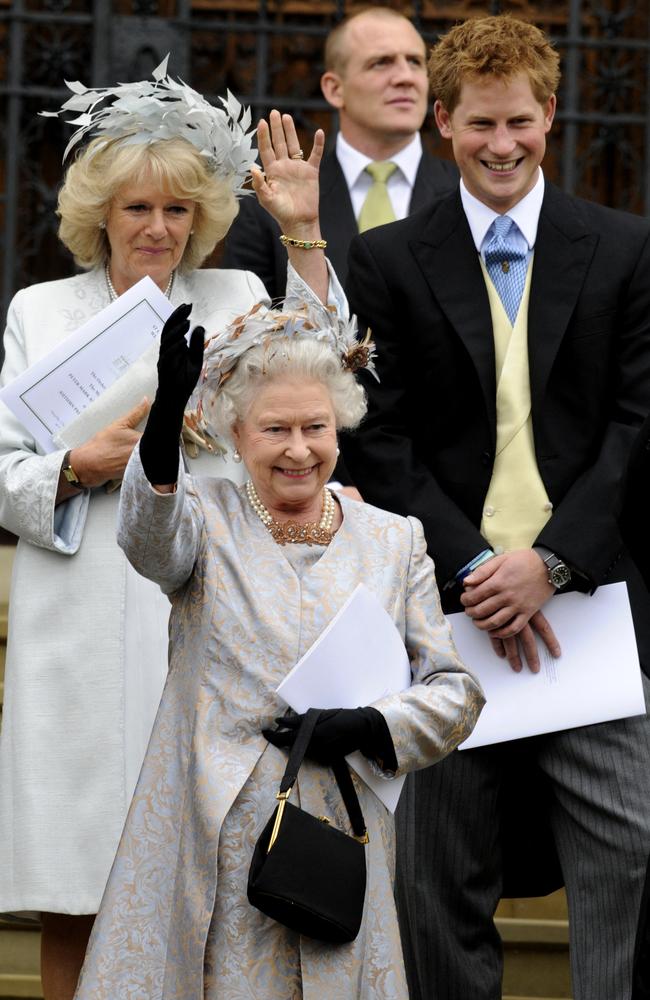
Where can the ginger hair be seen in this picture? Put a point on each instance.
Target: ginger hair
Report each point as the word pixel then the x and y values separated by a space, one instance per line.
pixel 499 46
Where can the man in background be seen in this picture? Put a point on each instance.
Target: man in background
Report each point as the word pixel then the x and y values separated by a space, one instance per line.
pixel 375 76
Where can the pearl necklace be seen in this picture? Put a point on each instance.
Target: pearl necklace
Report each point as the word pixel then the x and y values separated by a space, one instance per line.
pixel 292 531
pixel 113 294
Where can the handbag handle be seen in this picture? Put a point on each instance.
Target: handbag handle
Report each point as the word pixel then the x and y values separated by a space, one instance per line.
pixel 341 773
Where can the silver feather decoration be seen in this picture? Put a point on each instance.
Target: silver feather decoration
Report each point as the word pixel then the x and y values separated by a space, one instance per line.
pixel 163 108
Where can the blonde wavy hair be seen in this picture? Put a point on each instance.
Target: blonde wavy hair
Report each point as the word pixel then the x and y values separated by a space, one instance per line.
pixel 500 46
pixel 179 169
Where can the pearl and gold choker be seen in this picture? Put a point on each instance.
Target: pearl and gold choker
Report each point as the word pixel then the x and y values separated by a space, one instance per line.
pixel 113 294
pixel 291 531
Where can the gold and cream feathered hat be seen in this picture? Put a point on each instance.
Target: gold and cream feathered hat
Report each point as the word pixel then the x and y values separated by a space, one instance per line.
pixel 163 108
pixel 268 328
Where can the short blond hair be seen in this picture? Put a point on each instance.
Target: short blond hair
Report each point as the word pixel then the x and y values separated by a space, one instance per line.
pixel 500 46
pixel 99 172
pixel 337 54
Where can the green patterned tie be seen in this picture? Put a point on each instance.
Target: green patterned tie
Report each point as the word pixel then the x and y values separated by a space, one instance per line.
pixel 377 208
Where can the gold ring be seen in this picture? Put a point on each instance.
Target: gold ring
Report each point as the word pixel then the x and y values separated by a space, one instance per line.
pixel 297 156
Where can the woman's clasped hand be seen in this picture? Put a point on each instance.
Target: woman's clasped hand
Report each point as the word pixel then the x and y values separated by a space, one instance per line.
pixel 339 732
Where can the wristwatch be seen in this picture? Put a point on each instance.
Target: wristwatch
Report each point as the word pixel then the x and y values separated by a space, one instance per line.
pixel 69 473
pixel 559 573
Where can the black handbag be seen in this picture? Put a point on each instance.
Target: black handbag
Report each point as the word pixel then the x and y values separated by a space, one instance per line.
pixel 305 873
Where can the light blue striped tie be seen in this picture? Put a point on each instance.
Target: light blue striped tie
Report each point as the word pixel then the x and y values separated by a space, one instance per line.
pixel 506 265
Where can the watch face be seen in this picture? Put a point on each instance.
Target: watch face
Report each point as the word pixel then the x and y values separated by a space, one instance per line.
pixel 72 477
pixel 560 575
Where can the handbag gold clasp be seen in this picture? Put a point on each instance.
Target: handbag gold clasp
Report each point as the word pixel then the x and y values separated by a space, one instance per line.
pixel 363 839
pixel 282 798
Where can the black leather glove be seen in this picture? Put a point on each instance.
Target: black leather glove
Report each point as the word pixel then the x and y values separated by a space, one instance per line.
pixel 179 367
pixel 339 732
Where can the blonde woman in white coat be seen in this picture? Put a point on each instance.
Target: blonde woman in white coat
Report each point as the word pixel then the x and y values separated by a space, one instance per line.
pixel 87 648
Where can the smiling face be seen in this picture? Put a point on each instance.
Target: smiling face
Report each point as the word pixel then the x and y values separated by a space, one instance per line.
pixel 381 86
pixel 498 133
pixel 287 441
pixel 147 230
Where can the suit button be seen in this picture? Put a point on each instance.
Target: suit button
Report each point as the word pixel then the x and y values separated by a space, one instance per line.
pixel 489 511
pixel 486 458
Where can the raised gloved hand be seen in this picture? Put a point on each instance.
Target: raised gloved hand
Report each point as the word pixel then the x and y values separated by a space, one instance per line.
pixel 339 732
pixel 179 367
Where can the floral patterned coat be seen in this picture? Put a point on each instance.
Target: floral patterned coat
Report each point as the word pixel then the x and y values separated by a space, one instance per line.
pixel 175 922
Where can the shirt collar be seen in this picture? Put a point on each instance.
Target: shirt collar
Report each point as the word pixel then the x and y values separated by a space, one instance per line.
pixel 525 213
pixel 353 163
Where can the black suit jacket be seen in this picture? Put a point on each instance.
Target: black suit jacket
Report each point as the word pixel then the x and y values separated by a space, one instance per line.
pixel 253 245
pixel 635 514
pixel 427 445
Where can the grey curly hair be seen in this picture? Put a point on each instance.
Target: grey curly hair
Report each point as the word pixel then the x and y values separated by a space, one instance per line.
pixel 285 358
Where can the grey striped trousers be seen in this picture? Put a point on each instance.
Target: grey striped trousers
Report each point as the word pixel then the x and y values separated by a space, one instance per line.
pixel 449 870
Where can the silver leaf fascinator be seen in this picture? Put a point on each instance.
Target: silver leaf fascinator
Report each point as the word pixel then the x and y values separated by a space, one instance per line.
pixel 163 108
pixel 268 328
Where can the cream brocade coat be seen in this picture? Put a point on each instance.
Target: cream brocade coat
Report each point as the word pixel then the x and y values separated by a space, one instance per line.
pixel 175 922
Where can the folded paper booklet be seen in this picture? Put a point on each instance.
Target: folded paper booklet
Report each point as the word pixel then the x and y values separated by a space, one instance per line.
pixel 357 659
pixel 596 679
pixel 95 375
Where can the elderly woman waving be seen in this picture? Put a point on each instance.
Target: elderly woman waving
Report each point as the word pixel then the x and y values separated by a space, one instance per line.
pixel 255 573
pixel 151 193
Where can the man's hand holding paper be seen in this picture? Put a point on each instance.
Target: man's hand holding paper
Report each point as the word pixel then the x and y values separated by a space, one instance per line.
pixel 579 689
pixel 503 597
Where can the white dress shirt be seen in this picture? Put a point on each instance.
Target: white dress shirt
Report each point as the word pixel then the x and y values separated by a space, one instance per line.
pixel 399 184
pixel 525 214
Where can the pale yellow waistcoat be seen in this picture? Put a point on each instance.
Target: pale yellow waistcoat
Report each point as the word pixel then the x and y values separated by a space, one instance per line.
pixel 516 506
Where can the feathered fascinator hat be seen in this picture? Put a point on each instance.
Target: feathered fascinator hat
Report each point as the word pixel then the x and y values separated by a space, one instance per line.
pixel 268 328
pixel 163 108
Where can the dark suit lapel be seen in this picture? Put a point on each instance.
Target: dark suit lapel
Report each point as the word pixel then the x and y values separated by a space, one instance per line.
pixel 434 179
pixel 450 264
pixel 563 251
pixel 337 216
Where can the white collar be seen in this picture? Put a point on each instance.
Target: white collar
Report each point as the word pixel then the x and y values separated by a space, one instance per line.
pixel 353 163
pixel 525 213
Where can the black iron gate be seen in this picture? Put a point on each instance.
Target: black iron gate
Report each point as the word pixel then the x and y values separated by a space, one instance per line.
pixel 269 55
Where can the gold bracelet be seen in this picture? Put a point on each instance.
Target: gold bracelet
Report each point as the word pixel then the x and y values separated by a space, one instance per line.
pixel 288 241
